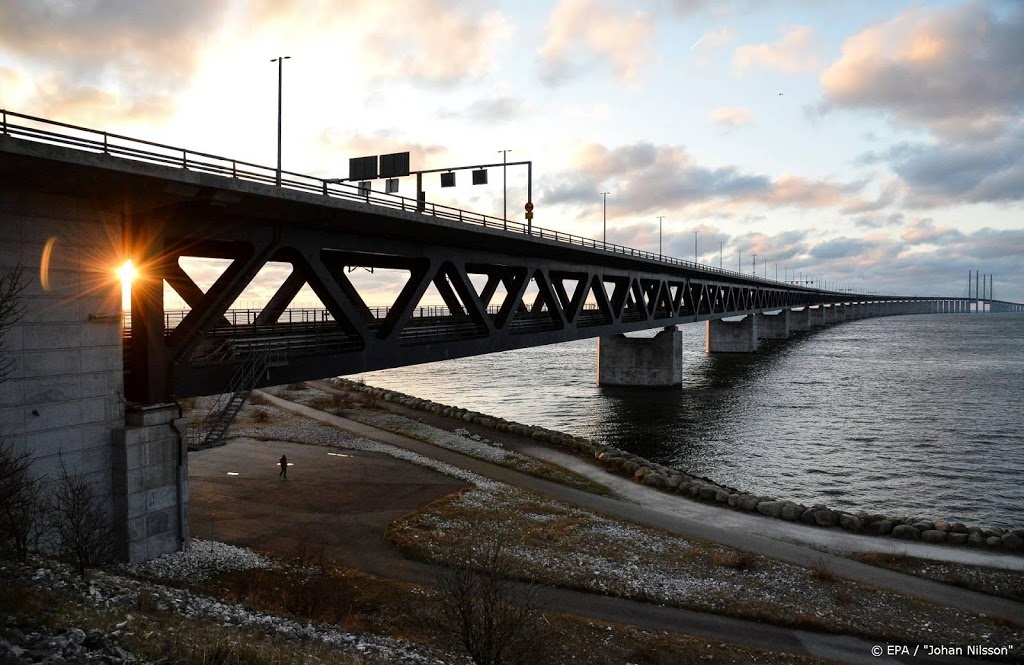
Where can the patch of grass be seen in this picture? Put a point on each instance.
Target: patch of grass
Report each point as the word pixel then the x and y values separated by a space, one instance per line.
pixel 992 581
pixel 734 559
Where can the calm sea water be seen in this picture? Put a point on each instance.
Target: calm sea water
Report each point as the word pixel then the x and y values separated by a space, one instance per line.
pixel 909 415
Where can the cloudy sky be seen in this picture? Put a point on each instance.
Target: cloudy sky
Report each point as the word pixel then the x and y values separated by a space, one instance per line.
pixel 871 144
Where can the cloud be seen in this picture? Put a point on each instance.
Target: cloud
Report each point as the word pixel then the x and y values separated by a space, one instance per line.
pixel 956 70
pixel 433 42
pixel 923 231
pixel 840 248
pixel 724 36
pixel 648 178
pixel 138 48
pixel 488 111
pixel 944 173
pixel 583 33
pixel 795 52
pixel 732 118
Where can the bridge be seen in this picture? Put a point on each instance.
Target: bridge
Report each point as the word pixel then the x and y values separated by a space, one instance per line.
pixel 87 385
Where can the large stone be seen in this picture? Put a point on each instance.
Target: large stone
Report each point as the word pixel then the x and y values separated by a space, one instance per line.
pixel 791 511
pixel 826 517
pixel 933 536
pixel 975 538
pixel 850 522
pixel 1012 541
pixel 770 508
pixel 807 517
pixel 957 527
pixel 958 538
pixel 748 502
pixel 734 500
pixel 707 493
pixel 879 528
pixel 993 541
pixel 906 532
pixel 721 496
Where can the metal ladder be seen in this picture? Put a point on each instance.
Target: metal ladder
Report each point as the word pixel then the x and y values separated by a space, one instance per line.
pixel 222 414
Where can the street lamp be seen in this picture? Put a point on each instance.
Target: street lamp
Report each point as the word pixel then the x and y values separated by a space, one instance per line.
pixel 695 247
pixel 504 185
pixel 280 77
pixel 754 269
pixel 721 253
pixel 604 197
pixel 659 235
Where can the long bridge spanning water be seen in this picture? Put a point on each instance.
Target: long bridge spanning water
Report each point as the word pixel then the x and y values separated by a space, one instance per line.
pixel 76 203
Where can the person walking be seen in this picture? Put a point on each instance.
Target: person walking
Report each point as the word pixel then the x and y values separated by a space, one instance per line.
pixel 284 468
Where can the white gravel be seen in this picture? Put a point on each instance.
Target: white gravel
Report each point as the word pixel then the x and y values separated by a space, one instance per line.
pixel 117 591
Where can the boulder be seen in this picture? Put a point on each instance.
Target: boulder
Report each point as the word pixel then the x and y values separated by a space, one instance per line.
pixel 975 538
pixel 707 493
pixel 734 500
pixel 957 527
pixel 850 522
pixel 825 517
pixel 684 487
pixel 941 525
pixel 906 532
pixel 673 482
pixel 721 496
pixel 748 502
pixel 770 508
pixel 791 512
pixel 993 541
pixel 807 517
pixel 933 536
pixel 957 538
pixel 879 528
pixel 1012 541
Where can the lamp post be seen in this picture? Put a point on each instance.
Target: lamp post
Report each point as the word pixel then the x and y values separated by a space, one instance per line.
pixel 695 247
pixel 280 78
pixel 504 184
pixel 659 235
pixel 721 253
pixel 753 270
pixel 604 215
pixel 739 261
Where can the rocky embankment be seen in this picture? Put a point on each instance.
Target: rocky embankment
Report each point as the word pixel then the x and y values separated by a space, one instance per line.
pixel 667 479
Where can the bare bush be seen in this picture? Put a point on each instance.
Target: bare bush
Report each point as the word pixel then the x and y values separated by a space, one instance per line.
pixel 12 284
pixel 495 619
pixel 81 524
pixel 22 504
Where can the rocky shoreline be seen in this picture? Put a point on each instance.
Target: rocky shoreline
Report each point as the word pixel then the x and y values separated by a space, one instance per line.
pixel 654 475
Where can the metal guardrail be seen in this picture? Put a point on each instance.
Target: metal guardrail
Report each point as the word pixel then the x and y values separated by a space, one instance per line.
pixel 42 130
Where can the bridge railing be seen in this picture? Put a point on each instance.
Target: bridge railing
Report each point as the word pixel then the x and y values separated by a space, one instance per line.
pixel 116 145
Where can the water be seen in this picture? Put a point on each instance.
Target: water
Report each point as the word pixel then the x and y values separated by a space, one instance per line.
pixel 909 415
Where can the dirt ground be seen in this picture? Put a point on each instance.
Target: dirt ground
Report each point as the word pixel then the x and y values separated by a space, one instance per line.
pixel 343 503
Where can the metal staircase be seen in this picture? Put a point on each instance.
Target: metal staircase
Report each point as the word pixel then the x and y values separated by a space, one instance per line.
pixel 216 422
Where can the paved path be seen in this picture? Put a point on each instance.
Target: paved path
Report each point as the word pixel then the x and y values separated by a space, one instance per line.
pixel 843 649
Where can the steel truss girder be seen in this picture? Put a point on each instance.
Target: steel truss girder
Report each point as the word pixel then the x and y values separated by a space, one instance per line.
pixel 567 300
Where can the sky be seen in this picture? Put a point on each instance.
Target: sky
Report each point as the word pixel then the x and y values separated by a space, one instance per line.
pixel 873 145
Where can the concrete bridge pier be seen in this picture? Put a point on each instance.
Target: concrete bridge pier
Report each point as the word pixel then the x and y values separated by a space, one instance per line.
pixel 773 326
pixel 816 316
pixel 800 320
pixel 723 336
pixel 150 481
pixel 655 362
pixel 64 400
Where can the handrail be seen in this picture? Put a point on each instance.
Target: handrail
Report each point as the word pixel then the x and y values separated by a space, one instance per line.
pixel 126 147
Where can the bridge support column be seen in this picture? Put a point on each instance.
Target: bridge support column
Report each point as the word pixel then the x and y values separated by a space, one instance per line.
pixel 800 321
pixel 641 361
pixel 839 313
pixel 816 316
pixel 150 481
pixel 731 336
pixel 773 326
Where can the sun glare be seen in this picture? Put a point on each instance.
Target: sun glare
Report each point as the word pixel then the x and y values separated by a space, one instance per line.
pixel 127 273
